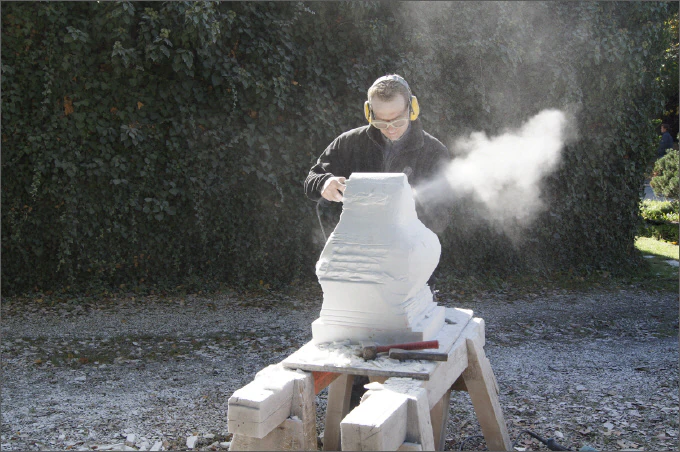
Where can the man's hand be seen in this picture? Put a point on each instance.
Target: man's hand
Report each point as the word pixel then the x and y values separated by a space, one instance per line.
pixel 334 188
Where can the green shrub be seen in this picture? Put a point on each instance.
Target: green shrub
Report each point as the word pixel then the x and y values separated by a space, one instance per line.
pixel 660 220
pixel 665 180
pixel 664 231
pixel 160 142
pixel 659 211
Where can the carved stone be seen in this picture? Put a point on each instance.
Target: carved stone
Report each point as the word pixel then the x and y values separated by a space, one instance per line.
pixel 375 266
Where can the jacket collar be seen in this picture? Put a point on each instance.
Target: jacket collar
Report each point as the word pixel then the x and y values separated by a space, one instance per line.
pixel 414 137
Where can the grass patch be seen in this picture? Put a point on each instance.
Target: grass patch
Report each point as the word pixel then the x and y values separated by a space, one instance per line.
pixel 657 248
pixel 655 274
pixel 659 274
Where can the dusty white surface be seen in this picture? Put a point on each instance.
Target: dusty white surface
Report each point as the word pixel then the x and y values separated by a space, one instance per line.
pixel 375 266
pixel 599 366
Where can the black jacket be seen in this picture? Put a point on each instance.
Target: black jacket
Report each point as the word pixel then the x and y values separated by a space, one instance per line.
pixel 665 144
pixel 362 150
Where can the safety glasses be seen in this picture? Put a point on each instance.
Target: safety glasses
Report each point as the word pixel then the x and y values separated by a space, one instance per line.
pixel 397 123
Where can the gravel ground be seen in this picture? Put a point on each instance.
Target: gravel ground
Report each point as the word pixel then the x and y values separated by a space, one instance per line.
pixel 598 367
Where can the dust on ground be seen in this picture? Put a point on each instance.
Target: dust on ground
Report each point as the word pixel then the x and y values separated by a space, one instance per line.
pixel 596 367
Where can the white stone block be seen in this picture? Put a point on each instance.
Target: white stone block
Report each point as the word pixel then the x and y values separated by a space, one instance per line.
pixel 375 266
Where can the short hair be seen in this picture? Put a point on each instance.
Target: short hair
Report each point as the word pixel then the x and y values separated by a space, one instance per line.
pixel 387 89
pixel 665 126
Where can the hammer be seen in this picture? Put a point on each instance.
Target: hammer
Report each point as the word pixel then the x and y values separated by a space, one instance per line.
pixel 369 350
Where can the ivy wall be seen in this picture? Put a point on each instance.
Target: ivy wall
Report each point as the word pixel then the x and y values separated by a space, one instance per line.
pixel 149 143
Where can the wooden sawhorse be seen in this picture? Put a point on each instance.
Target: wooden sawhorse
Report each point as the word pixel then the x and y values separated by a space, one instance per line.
pixel 405 408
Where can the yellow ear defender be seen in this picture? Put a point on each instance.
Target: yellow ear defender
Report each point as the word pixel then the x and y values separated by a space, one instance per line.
pixel 413 105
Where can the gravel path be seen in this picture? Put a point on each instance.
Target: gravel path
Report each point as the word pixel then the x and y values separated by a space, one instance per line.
pixel 597 367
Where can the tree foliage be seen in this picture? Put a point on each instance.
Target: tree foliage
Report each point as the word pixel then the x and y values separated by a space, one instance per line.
pixel 150 142
pixel 495 64
pixel 665 179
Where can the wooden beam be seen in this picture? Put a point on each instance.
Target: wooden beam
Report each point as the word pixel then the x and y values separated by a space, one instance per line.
pixel 378 423
pixel 459 385
pixel 262 405
pixel 303 407
pixel 481 384
pixel 419 423
pixel 286 436
pixel 323 379
pixel 447 372
pixel 410 447
pixel 339 394
pixel 440 416
pixel 392 416
pixel 343 358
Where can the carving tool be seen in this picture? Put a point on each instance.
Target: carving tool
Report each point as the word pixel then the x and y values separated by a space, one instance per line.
pixel 401 355
pixel 369 350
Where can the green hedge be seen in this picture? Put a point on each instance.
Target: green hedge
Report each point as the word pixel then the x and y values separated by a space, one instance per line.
pixel 660 220
pixel 146 143
pixel 665 180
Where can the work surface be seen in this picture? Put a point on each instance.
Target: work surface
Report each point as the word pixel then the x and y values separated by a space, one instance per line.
pixel 342 357
pixel 567 361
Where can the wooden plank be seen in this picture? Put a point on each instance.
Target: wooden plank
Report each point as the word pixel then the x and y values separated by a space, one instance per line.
pixel 339 394
pixel 481 384
pixel 375 379
pixel 257 408
pixel 459 385
pixel 238 423
pixel 303 407
pixel 419 423
pixel 456 321
pixel 289 435
pixel 378 423
pixel 323 379
pixel 367 372
pixel 410 447
pixel 262 399
pixel 343 358
pixel 447 372
pixel 439 415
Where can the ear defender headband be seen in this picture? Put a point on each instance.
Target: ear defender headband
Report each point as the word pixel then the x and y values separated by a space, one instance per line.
pixel 413 106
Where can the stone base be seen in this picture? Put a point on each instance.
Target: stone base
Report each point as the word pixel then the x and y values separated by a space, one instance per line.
pixel 345 325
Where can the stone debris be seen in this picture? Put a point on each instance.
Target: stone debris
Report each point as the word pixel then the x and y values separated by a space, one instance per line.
pixel 541 346
pixel 191 441
pixel 119 446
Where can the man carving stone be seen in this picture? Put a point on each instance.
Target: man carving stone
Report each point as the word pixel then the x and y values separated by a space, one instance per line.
pixel 393 142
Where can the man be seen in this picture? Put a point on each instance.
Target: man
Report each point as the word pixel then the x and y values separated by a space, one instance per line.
pixel 666 141
pixel 393 142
